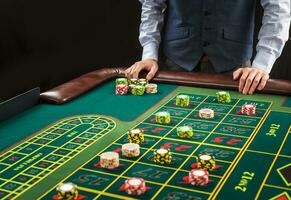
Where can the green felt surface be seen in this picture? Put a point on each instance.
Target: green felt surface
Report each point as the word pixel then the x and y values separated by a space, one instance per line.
pixel 249 150
pixel 102 100
pixel 287 102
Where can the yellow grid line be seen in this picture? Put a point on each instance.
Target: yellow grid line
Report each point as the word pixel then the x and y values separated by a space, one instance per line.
pixel 136 161
pixel 79 168
pixel 232 135
pixel 164 185
pixel 271 166
pixel 69 158
pixel 40 147
pixel 151 182
pixel 51 171
pixel 207 144
pixel 240 154
pixel 107 194
pixel 169 127
pixel 278 187
pixel 181 154
pixel 267 153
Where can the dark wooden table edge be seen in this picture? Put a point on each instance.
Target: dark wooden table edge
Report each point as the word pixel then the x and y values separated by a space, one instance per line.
pixel 76 87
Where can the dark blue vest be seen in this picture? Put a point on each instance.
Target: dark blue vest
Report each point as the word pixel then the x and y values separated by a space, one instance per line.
pixel 221 29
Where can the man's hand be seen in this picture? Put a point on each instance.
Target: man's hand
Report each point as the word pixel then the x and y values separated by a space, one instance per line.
pixel 250 79
pixel 149 65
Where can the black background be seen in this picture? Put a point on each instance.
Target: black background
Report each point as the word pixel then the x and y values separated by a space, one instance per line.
pixel 47 42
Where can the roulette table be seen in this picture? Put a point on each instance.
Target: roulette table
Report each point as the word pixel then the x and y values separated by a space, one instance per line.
pixel 61 138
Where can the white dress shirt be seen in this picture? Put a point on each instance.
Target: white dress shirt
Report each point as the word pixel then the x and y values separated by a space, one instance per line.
pixel 272 36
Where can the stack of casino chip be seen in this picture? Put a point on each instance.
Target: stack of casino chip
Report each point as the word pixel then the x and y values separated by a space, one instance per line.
pixel 163 117
pixel 130 88
pixel 130 150
pixel 182 100
pixel 206 161
pixel 67 191
pixel 142 82
pixel 135 186
pixel 121 81
pixel 162 156
pixel 206 113
pixel 223 97
pixel 121 89
pixel 248 109
pixel 151 88
pixel 138 90
pixel 135 136
pixel 133 81
pixel 198 177
pixel 109 160
pixel 185 131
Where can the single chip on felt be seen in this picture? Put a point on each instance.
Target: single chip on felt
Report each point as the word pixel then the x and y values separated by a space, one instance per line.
pixel 206 113
pixel 130 150
pixel 109 160
pixel 223 97
pixel 198 177
pixel 206 161
pixel 135 136
pixel 67 191
pixel 182 100
pixel 248 109
pixel 163 117
pixel 185 131
pixel 151 88
pixel 162 156
pixel 135 186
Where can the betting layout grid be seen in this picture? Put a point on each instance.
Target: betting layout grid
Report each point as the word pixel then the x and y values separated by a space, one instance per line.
pixel 263 171
pixel 34 159
pixel 224 136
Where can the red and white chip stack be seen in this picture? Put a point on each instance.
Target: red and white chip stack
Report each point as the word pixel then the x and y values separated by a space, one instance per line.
pixel 206 113
pixel 198 177
pixel 121 89
pixel 135 186
pixel 248 109
pixel 109 160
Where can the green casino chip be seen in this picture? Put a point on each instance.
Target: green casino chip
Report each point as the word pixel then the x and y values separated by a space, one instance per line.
pixel 182 100
pixel 121 81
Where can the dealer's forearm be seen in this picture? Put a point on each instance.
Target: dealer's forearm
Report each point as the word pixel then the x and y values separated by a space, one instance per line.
pixel 152 19
pixel 273 34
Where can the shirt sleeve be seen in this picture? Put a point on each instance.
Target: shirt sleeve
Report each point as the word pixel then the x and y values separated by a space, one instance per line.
pixel 273 34
pixel 152 19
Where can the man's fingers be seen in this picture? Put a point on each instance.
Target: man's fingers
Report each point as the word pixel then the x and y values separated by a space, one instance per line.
pixel 249 81
pixel 152 72
pixel 263 83
pixel 135 71
pixel 243 79
pixel 128 72
pixel 237 73
pixel 255 83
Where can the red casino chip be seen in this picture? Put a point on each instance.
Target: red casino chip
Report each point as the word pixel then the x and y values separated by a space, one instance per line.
pixel 121 89
pixel 198 177
pixel 135 186
pixel 248 109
